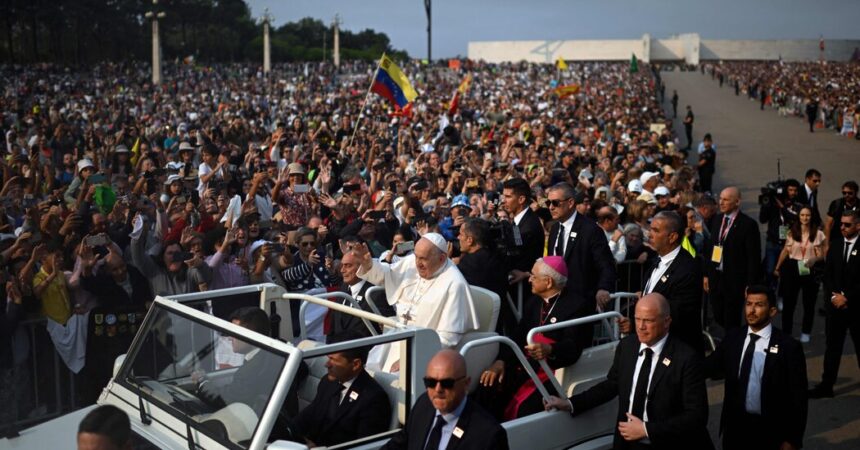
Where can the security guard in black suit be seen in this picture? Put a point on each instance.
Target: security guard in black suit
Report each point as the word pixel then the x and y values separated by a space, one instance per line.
pixel 764 406
pixel 842 287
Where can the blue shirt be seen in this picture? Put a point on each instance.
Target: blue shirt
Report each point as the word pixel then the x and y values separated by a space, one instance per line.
pixel 451 419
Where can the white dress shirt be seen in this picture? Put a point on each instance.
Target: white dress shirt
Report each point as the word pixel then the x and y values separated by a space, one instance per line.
pixel 753 400
pixel 519 217
pixel 356 288
pixel 809 194
pixel 657 348
pixel 346 385
pixel 617 248
pixel 658 272
pixel 564 233
pixel 851 245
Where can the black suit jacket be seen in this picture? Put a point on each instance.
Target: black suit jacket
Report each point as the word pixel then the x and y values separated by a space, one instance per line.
pixel 803 199
pixel 741 253
pixel 840 276
pixel 677 405
pixel 590 264
pixel 480 429
pixel 342 322
pixel 569 342
pixel 681 284
pixel 783 385
pixel 364 411
pixel 532 233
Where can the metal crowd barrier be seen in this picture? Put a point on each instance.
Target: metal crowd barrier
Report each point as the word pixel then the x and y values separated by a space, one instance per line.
pixel 40 400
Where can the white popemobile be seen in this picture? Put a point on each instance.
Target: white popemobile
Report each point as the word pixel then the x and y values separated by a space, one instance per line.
pixel 186 335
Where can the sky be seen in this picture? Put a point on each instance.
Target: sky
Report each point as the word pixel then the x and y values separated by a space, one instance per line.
pixel 457 22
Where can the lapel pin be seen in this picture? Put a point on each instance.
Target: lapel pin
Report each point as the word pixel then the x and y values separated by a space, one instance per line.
pixel 667 361
pixel 854 253
pixel 664 278
pixel 458 432
pixel 353 396
pixel 552 320
pixel 774 349
pixel 573 235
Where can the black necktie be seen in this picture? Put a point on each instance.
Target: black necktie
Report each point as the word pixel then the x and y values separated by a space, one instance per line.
pixel 641 392
pixel 334 403
pixel 746 367
pixel 559 241
pixel 436 434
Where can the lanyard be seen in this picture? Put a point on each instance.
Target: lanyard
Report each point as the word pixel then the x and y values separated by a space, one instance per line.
pixel 724 230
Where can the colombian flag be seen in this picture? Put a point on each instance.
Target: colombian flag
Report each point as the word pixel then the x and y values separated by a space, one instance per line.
pixel 392 84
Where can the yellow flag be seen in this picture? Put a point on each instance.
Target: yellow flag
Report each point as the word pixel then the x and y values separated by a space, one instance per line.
pixel 560 64
pixel 135 152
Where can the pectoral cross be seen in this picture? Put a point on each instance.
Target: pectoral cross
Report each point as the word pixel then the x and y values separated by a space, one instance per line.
pixel 407 317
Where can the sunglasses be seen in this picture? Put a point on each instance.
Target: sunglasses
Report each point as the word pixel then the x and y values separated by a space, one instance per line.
pixel 446 383
pixel 849 193
pixel 845 224
pixel 557 203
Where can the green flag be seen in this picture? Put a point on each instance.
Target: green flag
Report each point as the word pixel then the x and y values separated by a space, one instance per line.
pixel 634 64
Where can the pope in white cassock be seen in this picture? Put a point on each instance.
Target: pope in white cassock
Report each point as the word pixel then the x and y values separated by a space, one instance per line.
pixel 426 289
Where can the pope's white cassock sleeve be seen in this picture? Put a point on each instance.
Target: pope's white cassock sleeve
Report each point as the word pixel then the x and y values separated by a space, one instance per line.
pixel 446 305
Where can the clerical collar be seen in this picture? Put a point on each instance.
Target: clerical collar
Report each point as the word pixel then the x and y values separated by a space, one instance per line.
pixel 551 297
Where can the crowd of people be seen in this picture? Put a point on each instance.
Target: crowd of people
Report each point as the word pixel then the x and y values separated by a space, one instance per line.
pixel 824 94
pixel 116 191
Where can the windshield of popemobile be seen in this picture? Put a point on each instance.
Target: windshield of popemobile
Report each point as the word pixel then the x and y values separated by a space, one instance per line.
pixel 220 379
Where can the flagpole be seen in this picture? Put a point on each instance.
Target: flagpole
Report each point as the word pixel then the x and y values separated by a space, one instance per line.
pixel 364 103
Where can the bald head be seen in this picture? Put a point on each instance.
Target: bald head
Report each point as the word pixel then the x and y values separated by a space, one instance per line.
pixel 449 361
pixel 655 301
pixel 652 318
pixel 730 200
pixel 446 380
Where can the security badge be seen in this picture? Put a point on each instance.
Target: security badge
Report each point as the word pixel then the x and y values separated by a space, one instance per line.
pixel 667 361
pixel 572 236
pixel 774 349
pixel 353 396
pixel 458 432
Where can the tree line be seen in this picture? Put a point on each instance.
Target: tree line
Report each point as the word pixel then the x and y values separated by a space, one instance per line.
pixel 76 32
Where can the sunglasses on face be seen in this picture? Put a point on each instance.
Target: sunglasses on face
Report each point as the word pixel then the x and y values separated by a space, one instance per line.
pixel 845 224
pixel 557 203
pixel 849 193
pixel 446 383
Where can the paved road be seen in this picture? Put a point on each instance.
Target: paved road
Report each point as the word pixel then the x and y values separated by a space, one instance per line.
pixel 749 141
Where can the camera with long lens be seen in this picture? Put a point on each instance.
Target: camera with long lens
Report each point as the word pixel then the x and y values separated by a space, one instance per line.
pixel 771 192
